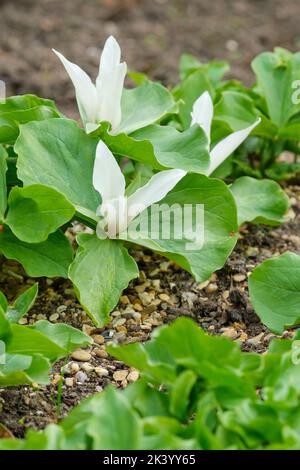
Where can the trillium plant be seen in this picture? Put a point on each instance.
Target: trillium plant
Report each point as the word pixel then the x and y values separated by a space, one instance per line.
pixel 143 151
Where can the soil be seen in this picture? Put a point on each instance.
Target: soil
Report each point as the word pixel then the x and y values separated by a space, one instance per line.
pixel 153 35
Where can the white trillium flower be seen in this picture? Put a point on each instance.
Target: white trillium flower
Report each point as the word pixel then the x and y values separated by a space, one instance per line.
pixel 117 209
pixel 101 101
pixel 202 115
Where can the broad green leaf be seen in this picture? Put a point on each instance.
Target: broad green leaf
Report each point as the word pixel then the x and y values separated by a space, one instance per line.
pixel 163 147
pixel 119 429
pixel 21 370
pixel 23 304
pixel 276 73
pixel 236 109
pixel 65 336
pixel 144 105
pixel 259 201
pixel 19 110
pixel 28 341
pixel 50 258
pixel 61 156
pixel 100 271
pixel 3 189
pixel 186 150
pixel 188 91
pixel 36 211
pixel 274 288
pixel 214 223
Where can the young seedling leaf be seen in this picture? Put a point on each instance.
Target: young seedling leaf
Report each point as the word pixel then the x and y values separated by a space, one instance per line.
pixel 23 304
pixel 259 201
pixel 274 288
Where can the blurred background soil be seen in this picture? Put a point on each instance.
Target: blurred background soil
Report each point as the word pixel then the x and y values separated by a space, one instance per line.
pixel 153 34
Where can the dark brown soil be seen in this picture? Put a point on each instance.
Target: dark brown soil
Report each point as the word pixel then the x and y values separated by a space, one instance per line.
pixel 153 35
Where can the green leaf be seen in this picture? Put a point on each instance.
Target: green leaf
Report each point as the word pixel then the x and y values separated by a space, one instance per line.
pixel 28 341
pixel 61 156
pixel 216 227
pixel 50 258
pixel 190 64
pixel 180 396
pixel 236 109
pixel 19 110
pixel 36 211
pixel 187 150
pixel 259 201
pixel 283 171
pixel 276 73
pixel 144 105
pixel 23 304
pixel 163 147
pixel 188 91
pixel 274 288
pixel 21 369
pixel 65 336
pixel 100 271
pixel 3 302
pixel 3 189
pixel 119 429
pixel 5 327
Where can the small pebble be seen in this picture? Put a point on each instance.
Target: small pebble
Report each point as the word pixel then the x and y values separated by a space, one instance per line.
pixel 211 288
pixel 239 277
pixel 120 375
pixel 101 371
pixel 81 355
pixel 87 367
pixel 101 353
pixel 69 381
pixel 229 332
pixel 54 317
pixel 133 376
pixel 81 377
pixel 99 339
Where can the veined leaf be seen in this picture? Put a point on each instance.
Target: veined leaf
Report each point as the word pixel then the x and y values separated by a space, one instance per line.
pixel 36 211
pixel 100 271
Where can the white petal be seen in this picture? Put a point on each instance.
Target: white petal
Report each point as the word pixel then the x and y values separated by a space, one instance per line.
pixel 203 111
pixel 86 92
pixel 111 55
pixel 108 179
pixel 110 83
pixel 155 190
pixel 227 146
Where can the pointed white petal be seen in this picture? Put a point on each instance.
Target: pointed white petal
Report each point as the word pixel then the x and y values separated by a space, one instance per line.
pixel 110 83
pixel 108 179
pixel 111 55
pixel 227 146
pixel 86 92
pixel 203 111
pixel 155 190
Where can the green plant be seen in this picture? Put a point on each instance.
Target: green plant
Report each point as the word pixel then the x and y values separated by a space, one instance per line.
pixel 195 392
pixel 151 146
pixel 28 352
